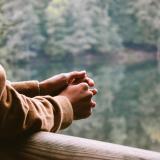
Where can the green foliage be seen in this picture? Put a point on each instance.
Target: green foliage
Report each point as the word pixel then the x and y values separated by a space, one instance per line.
pixel 80 27
pixel 39 38
pixel 138 21
pixel 57 28
pixel 23 38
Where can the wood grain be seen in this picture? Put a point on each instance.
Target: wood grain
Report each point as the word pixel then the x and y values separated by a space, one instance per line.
pixel 50 146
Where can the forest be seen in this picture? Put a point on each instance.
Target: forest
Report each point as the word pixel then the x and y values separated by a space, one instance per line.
pixel 116 41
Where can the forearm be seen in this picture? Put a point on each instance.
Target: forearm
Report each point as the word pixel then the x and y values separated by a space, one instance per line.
pixel 20 114
pixel 52 86
pixel 27 88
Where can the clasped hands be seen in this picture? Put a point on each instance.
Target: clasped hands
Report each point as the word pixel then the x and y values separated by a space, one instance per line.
pixel 76 86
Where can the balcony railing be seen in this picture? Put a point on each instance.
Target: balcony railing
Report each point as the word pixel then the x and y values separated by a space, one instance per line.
pixel 50 146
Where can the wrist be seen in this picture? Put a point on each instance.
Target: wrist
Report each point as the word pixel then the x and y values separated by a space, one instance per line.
pixel 42 88
pixel 53 85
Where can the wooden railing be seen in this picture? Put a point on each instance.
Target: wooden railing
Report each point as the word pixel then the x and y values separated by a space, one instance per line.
pixel 50 146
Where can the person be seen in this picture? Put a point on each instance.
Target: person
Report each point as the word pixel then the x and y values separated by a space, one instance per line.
pixel 50 105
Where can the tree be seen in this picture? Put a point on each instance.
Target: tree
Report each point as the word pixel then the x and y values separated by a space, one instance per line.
pixel 148 18
pixel 23 38
pixel 70 33
pixel 138 21
pixel 149 21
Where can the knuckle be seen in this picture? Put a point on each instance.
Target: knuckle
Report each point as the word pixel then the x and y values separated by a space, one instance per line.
pixel 93 104
pixel 74 72
pixel 86 79
pixel 63 75
pixel 90 95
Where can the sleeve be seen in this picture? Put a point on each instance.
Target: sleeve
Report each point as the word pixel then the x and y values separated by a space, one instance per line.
pixel 20 114
pixel 27 88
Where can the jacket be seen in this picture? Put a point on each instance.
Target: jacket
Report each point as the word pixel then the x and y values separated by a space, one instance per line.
pixel 23 110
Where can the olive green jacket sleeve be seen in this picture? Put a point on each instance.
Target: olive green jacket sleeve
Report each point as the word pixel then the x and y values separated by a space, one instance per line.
pixel 20 114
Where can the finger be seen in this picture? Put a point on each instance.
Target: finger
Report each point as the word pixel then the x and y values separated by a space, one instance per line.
pixel 89 81
pixel 87 96
pixel 92 104
pixel 84 86
pixel 76 75
pixel 94 91
pixel 90 109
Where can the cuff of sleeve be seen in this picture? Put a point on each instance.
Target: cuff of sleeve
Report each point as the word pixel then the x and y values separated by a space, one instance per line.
pixel 66 112
pixel 28 88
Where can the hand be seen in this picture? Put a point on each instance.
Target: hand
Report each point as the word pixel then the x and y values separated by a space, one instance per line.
pixel 76 77
pixel 80 97
pixel 56 84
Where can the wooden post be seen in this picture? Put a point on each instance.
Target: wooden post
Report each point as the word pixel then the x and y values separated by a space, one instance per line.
pixel 50 146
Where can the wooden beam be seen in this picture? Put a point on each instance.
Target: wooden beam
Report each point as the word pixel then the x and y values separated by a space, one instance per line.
pixel 50 146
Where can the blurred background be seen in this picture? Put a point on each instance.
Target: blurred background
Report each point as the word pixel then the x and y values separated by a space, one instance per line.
pixel 116 41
